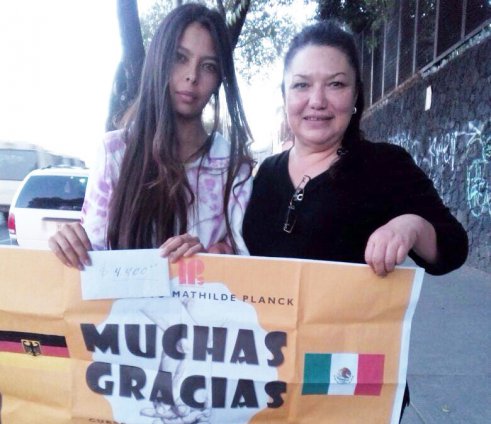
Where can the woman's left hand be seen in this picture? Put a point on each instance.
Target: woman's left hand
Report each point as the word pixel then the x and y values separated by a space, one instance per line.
pixel 181 246
pixel 389 245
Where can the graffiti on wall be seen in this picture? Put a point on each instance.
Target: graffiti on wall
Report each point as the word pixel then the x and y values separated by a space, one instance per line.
pixel 440 156
pixel 478 172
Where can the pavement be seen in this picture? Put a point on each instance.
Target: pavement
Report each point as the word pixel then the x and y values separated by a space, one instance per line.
pixel 449 372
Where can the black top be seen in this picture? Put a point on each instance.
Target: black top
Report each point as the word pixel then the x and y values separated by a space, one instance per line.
pixel 342 207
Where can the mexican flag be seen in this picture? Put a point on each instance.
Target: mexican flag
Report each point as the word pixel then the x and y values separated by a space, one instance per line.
pixel 343 374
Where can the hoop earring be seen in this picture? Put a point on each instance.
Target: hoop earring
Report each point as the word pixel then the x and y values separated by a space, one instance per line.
pixel 355 110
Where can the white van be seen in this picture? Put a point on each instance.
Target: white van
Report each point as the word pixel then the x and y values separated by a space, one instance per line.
pixel 17 159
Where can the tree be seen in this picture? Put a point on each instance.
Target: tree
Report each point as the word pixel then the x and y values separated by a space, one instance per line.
pixel 128 73
pixel 359 14
pixel 266 32
pixel 150 20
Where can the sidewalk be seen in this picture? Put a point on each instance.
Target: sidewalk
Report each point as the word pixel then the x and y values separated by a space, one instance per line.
pixel 449 371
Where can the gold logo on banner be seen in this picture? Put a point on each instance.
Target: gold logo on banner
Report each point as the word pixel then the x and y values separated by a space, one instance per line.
pixel 31 347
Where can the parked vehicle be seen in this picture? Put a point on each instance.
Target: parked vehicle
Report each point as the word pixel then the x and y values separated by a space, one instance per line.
pixel 17 160
pixel 46 199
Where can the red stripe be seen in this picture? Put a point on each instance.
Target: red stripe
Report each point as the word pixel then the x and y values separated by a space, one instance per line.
pixel 370 374
pixel 14 347
pixel 55 351
pixel 11 347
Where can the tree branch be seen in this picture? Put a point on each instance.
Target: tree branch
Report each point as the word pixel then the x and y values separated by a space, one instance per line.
pixel 221 9
pixel 127 78
pixel 237 20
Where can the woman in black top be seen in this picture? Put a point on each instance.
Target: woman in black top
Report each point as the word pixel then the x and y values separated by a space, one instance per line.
pixel 334 195
pixel 378 183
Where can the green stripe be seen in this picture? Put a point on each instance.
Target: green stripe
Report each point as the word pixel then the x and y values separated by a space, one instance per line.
pixel 316 373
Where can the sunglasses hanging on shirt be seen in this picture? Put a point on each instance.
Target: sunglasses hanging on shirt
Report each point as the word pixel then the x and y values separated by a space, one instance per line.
pixel 291 213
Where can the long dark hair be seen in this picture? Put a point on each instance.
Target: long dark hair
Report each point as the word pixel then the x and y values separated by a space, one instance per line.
pixel 153 194
pixel 330 33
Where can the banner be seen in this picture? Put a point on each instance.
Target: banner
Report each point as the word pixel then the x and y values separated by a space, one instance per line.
pixel 236 340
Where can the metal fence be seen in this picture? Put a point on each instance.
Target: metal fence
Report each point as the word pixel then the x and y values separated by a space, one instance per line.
pixel 415 35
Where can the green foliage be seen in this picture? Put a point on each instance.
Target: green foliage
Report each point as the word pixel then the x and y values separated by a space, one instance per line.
pixel 268 28
pixel 358 14
pixel 266 32
pixel 150 20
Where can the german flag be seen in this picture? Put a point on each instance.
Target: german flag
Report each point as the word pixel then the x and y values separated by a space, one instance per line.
pixel 34 344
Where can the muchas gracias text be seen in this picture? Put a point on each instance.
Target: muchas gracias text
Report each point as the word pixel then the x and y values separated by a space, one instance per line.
pixel 133 379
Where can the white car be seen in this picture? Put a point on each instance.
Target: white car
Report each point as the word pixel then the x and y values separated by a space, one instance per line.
pixel 17 159
pixel 46 199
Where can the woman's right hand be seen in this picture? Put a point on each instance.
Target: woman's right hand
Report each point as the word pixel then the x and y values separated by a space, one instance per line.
pixel 71 245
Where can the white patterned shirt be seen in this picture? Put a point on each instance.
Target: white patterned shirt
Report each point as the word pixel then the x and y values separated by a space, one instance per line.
pixel 206 219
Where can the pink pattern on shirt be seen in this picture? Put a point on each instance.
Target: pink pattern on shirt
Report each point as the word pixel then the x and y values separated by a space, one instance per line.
pixel 205 218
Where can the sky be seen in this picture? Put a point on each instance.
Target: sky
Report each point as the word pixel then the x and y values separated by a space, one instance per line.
pixel 57 63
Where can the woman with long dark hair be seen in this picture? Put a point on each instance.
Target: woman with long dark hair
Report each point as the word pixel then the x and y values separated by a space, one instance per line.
pixel 163 179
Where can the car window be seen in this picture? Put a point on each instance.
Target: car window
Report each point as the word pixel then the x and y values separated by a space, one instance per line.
pixel 53 192
pixel 15 164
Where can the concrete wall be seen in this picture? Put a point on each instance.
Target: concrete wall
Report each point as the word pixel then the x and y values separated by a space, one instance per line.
pixel 451 141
